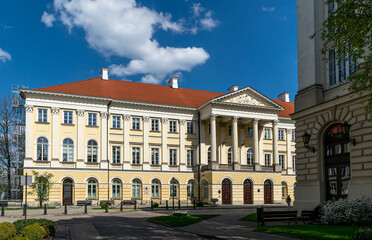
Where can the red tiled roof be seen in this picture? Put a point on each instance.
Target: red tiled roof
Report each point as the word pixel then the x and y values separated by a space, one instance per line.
pixel 288 108
pixel 144 92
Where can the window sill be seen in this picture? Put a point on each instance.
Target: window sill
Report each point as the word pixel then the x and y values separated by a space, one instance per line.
pixel 92 198
pixel 68 162
pixel 173 165
pixel 92 163
pixel 42 122
pixel 116 164
pixel 67 124
pixel 154 131
pixel 137 130
pixel 136 164
pixel 173 132
pixel 155 165
pixel 116 128
pixel 41 161
pixel 92 126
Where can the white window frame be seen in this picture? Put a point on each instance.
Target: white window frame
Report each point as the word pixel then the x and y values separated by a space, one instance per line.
pixel 346 60
pixel 293 135
pixel 190 162
pixel 113 154
pixel 137 189
pixel 281 134
pixel 65 114
pixel 158 156
pixel 230 158
pixel 205 189
pixel 44 119
pixel 88 119
pixel 250 156
pixel 155 188
pixel 229 130
pixel 116 185
pixel 116 123
pixel 173 189
pixel 86 151
pixel 155 127
pixel 139 153
pixel 173 126
pixel 134 125
pixel 294 162
pixel 48 150
pixel 209 154
pixel 250 132
pixel 191 188
pixel 282 161
pixel 190 127
pixel 267 158
pixel 73 150
pixel 95 185
pixel 173 162
pixel 267 133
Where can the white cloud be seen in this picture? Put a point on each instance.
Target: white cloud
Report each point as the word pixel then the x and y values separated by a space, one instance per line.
pixel 203 18
pixel 124 28
pixel 5 56
pixel 268 9
pixel 197 9
pixel 48 19
pixel 208 22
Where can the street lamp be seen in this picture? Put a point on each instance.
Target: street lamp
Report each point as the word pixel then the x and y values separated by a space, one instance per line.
pixel 173 181
pixel 345 132
pixel 306 139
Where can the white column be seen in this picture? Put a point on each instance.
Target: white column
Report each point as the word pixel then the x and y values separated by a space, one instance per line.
pixel 127 151
pixel 164 144
pixel 104 140
pixel 223 159
pixel 261 157
pixel 146 150
pixel 289 152
pixel 80 139
pixel 235 140
pixel 243 161
pixel 275 145
pixel 213 138
pixel 182 146
pixel 256 155
pixel 203 159
pixel 55 140
pixel 28 161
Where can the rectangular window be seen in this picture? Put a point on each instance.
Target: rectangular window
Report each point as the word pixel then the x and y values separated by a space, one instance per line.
pixel 352 64
pixel 92 119
pixel 42 115
pixel 190 157
pixel 209 129
pixel 250 131
pixel 116 154
pixel 155 156
pixel 116 122
pixel 136 155
pixel 293 136
pixel 294 162
pixel 341 69
pixel 173 157
pixel 267 159
pixel 267 133
pixel 282 161
pixel 191 127
pixel 230 130
pixel 332 67
pixel 281 134
pixel 136 123
pixel 155 125
pixel 173 126
pixel 67 117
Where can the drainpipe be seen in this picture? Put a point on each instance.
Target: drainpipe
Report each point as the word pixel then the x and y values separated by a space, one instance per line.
pixel 199 156
pixel 107 152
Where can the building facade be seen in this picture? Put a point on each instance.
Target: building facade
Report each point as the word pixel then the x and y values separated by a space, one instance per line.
pixel 336 161
pixel 109 139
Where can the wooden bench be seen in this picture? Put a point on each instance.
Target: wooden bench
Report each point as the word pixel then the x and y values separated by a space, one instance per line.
pixel 110 202
pixel 129 202
pixel 275 216
pixel 3 204
pixel 83 202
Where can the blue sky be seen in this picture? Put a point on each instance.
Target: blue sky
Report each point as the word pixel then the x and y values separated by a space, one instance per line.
pixel 210 44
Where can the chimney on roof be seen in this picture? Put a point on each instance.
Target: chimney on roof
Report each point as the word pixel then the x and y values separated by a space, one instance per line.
pixel 104 73
pixel 233 88
pixel 284 97
pixel 173 82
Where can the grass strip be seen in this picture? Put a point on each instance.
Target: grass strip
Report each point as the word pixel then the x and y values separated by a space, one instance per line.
pixel 250 218
pixel 180 221
pixel 312 231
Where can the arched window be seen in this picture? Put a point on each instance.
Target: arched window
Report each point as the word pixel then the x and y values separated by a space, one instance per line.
pixel 191 189
pixel 205 189
pixel 92 152
pixel 250 156
pixel 229 156
pixel 136 188
pixel 116 186
pixel 42 149
pixel 209 155
pixel 155 189
pixel 68 150
pixel 92 189
pixel 284 190
pixel 174 188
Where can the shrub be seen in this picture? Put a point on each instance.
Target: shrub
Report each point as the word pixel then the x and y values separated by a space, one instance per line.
pixel 199 204
pixel 103 205
pixel 348 211
pixel 20 224
pixel 34 232
pixel 363 234
pixel 180 213
pixel 18 238
pixel 155 205
pixel 10 226
pixel 5 232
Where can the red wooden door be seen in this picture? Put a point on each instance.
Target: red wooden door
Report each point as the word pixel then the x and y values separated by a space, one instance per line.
pixel 267 192
pixel 226 192
pixel 67 192
pixel 247 192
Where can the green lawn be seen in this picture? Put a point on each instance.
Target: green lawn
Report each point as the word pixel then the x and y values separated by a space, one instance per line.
pixel 180 221
pixel 250 218
pixel 313 231
pixel 29 208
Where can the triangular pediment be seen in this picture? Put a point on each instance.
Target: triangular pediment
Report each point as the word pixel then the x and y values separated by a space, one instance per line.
pixel 248 97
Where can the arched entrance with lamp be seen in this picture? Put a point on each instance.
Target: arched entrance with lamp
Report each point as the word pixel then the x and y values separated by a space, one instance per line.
pixel 67 191
pixel 226 191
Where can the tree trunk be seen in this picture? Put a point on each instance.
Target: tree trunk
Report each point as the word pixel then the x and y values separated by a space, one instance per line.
pixel 9 185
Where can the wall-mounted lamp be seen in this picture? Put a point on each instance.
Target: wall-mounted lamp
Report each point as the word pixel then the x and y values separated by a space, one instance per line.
pixel 345 131
pixel 224 141
pixel 306 140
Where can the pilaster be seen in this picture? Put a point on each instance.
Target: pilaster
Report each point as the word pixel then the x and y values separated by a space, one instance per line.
pixel 28 136
pixel 275 146
pixel 146 151
pixel 104 140
pixel 223 159
pixel 213 138
pixel 164 144
pixel 182 145
pixel 80 139
pixel 127 151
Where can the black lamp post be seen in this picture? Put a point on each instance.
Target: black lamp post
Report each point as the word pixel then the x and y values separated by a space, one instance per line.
pixel 346 130
pixel 173 180
pixel 306 139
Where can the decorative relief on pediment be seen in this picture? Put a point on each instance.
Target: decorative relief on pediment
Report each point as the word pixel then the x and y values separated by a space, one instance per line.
pixel 245 99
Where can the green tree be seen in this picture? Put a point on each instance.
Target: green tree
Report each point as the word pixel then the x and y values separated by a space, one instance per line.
pixel 349 29
pixel 42 185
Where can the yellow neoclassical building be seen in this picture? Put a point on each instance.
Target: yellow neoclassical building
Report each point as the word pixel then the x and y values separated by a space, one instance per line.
pixel 119 140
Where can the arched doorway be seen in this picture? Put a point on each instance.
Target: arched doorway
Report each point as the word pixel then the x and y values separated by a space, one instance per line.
pixel 67 191
pixel 337 163
pixel 226 191
pixel 268 192
pixel 248 191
